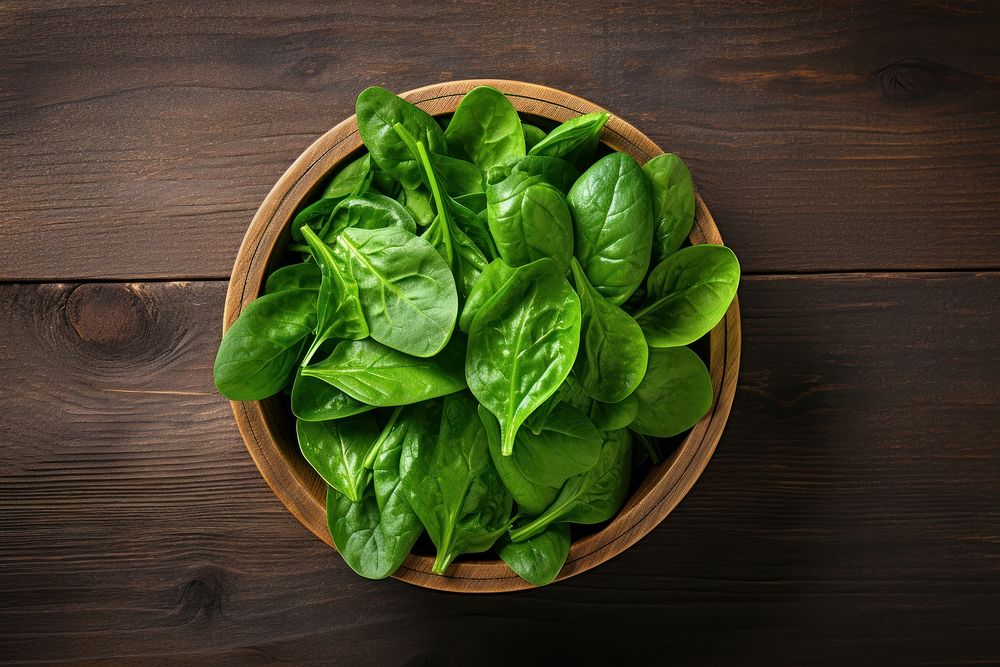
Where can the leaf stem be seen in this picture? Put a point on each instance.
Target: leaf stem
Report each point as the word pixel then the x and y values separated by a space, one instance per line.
pixel 373 451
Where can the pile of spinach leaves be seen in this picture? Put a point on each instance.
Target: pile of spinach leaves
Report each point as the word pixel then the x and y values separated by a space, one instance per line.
pixel 482 319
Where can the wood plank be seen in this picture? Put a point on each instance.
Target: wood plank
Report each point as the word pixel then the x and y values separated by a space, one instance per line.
pixel 138 140
pixel 850 513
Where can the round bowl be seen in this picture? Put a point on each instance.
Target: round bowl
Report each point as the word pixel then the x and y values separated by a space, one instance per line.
pixel 267 426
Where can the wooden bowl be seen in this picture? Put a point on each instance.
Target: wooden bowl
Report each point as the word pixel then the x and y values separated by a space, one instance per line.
pixel 267 426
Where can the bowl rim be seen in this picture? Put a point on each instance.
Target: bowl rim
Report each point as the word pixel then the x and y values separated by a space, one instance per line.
pixel 297 485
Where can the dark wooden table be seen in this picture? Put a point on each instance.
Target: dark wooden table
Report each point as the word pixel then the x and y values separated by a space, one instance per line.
pixel 851 156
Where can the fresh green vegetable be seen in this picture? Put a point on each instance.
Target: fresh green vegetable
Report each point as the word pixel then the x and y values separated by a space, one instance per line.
pixel 612 357
pixel 451 484
pixel 522 344
pixel 471 323
pixel 674 395
pixel 539 559
pixel 673 203
pixel 485 129
pixel 614 225
pixel 687 294
pixel 378 375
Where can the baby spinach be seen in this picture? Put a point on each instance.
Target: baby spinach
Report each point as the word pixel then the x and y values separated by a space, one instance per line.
pixel 294 276
pixel 338 309
pixel 674 395
pixel 614 416
pixel 347 180
pixel 485 129
pixel 489 283
pixel 457 177
pixel 378 375
pixel 614 225
pixel 568 444
pixel 452 486
pixel 538 560
pixel 316 215
pixel 532 135
pixel 417 201
pixel 529 220
pixel 575 140
pixel 687 294
pixel 373 211
pixel 673 203
pixel 613 351
pixel 590 497
pixel 522 345
pixel 314 400
pixel 260 351
pixel 375 534
pixel 407 291
pixel 378 111
pixel 336 450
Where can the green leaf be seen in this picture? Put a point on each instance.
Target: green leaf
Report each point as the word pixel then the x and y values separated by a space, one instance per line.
pixel 378 375
pixel 303 275
pixel 614 416
pixel 407 291
pixel 378 111
pixel 688 293
pixel 568 445
pixel 614 225
pixel 532 135
pixel 674 395
pixel 457 177
pixel 452 485
pixel 529 220
pixel 373 211
pixel 315 216
pixel 612 359
pixel 575 140
pixel 486 129
pixel 375 534
pixel 538 560
pixel 347 180
pixel 417 201
pixel 522 345
pixel 260 351
pixel 314 400
pixel 673 203
pixel 336 450
pixel 591 497
pixel 489 283
pixel 338 308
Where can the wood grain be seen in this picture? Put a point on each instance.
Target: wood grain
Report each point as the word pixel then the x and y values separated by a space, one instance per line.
pixel 849 515
pixel 269 435
pixel 138 139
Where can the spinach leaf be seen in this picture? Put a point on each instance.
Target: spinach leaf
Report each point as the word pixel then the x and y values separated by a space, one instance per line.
pixel 294 276
pixel 314 400
pixel 378 111
pixel 575 140
pixel 485 129
pixel 489 283
pixel 452 485
pixel 407 291
pixel 378 375
pixel 373 211
pixel 338 309
pixel 533 169
pixel 473 201
pixel 568 445
pixel 591 497
pixel 614 225
pixel 316 216
pixel 538 560
pixel 613 351
pixel 614 416
pixel 569 392
pixel 674 395
pixel 336 450
pixel 673 203
pixel 375 534
pixel 522 345
pixel 457 177
pixel 532 135
pixel 260 351
pixel 529 221
pixel 417 201
pixel 688 293
pixel 345 181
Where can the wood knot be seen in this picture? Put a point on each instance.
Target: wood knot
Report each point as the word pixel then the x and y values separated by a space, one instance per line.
pixel 110 317
pixel 918 79
pixel 201 597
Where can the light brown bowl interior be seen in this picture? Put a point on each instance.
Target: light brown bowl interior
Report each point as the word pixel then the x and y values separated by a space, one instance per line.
pixel 266 425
